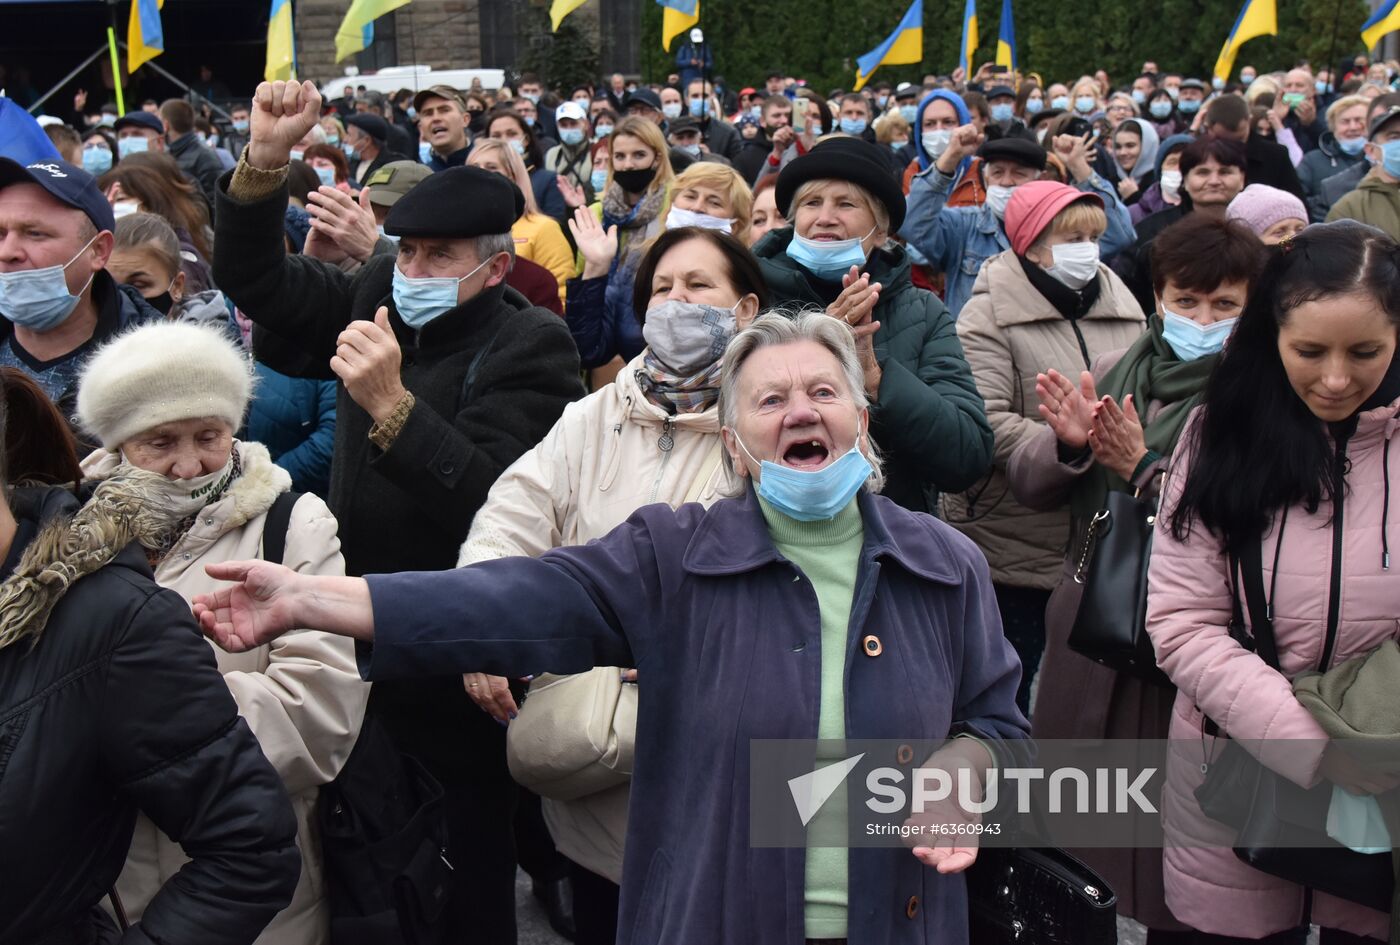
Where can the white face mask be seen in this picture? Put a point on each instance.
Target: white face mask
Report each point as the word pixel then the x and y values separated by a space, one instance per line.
pixel 997 199
pixel 1171 184
pixel 1076 264
pixel 677 218
pixel 936 142
pixel 185 497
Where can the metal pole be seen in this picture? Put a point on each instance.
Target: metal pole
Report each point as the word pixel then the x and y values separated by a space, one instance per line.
pixel 1332 71
pixel 68 78
pixel 180 82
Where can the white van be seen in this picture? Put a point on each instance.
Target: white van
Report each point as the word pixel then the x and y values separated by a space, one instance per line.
pixel 392 78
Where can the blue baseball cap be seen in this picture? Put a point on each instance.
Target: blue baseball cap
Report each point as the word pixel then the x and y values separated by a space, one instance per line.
pixel 144 119
pixel 66 184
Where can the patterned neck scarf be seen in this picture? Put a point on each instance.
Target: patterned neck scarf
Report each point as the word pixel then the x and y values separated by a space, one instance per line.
pixel 154 556
pixel 676 394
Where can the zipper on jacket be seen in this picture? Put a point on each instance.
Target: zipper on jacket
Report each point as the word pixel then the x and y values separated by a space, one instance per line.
pixel 664 443
pixel 1083 347
pixel 1334 599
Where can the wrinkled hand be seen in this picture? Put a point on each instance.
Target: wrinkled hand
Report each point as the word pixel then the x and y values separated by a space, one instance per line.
pixel 573 194
pixel 1074 152
pixel 367 359
pixel 1307 111
pixel 341 227
pixel 252 612
pixel 1127 187
pixel 965 142
pixel 282 114
pixel 492 695
pixel 597 245
pixel 856 307
pixel 1066 408
pixel 951 852
pixel 1116 436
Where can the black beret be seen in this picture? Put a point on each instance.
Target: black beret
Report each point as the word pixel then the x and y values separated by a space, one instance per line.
pixel 850 159
pixel 372 125
pixel 1017 149
pixel 457 203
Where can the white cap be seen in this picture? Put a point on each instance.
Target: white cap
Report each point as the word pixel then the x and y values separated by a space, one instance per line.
pixel 46 120
pixel 572 110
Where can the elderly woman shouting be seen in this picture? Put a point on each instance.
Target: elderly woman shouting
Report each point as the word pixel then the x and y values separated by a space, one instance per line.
pixel 167 398
pixel 924 405
pixel 781 592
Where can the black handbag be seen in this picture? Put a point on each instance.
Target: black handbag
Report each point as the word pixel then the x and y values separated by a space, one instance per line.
pixel 1111 625
pixel 1038 896
pixel 1282 826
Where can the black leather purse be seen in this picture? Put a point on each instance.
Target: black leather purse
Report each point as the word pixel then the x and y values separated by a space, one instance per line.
pixel 1038 896
pixel 1111 625
pixel 1282 827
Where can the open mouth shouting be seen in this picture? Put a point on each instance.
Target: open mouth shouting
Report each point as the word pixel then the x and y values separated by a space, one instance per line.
pixel 808 454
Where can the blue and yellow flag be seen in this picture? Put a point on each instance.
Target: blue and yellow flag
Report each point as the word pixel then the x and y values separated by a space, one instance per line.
pixel 1006 38
pixel 969 38
pixel 1385 20
pixel 281 58
pixel 678 16
pixel 560 9
pixel 145 39
pixel 903 46
pixel 1257 18
pixel 357 29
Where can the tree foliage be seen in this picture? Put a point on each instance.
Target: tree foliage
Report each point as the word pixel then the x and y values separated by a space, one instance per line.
pixel 563 59
pixel 819 40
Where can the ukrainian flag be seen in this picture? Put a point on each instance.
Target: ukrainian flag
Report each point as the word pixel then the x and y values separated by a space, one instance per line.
pixel 145 39
pixel 1385 20
pixel 560 9
pixel 679 16
pixel 903 46
pixel 281 60
pixel 1257 18
pixel 1006 38
pixel 357 29
pixel 969 38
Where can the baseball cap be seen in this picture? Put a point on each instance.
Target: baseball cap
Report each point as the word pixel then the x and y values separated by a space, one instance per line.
pixel 1383 119
pixel 394 180
pixel 570 110
pixel 65 183
pixel 141 119
pixel 439 91
pixel 643 96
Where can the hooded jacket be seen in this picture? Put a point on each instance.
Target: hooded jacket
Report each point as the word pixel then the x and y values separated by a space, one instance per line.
pixel 1373 202
pixel 599 464
pixel 1318 165
pixel 928 418
pixel 1152 199
pixel 117 708
pixel 302 695
pixel 1333 554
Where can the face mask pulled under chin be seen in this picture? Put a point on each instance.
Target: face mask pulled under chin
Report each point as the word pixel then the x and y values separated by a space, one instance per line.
pixel 813 496
pixel 184 497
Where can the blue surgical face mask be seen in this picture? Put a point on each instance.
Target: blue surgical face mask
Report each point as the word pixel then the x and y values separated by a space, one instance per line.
pixel 532 96
pixel 697 107
pixel 881 101
pixel 1321 87
pixel 829 259
pixel 1060 101
pixel 1002 112
pixel 98 160
pixel 411 112
pixel 1190 340
pixel 518 146
pixel 326 174
pixel 38 299
pixel 425 152
pixel 333 140
pixel 1035 105
pixel 1084 104
pixel 1218 84
pixel 419 301
pixel 132 145
pixel 1172 91
pixel 910 113
pixel 240 125
pixel 350 153
pixel 757 113
pixel 1189 106
pixel 1352 146
pixel 1139 96
pixel 599 180
pixel 1160 109
pixel 853 126
pixel 693 150
pixel 811 496
pixel 601 131
pixel 1390 158
pixel 1246 79
pixel 571 136
pixel 530 121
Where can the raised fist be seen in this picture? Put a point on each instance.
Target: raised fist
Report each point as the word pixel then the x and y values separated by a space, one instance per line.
pixel 282 114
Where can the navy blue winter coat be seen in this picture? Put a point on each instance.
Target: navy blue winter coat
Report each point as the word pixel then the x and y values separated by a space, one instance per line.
pixel 294 417
pixel 725 633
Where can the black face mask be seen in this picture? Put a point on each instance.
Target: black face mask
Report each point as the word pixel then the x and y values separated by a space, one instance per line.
pixel 162 303
pixel 635 181
pixel 477 122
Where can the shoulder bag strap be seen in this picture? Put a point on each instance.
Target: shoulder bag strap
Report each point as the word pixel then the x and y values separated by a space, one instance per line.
pixel 279 517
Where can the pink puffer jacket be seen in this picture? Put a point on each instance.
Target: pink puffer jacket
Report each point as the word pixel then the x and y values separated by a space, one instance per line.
pixel 1189 607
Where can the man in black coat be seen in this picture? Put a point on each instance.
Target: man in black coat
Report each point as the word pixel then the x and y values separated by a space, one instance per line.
pixel 199 163
pixel 447 377
pixel 368 138
pixel 1269 163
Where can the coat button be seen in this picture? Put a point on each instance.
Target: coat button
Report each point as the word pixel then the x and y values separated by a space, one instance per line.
pixel 911 908
pixel 904 754
pixel 871 645
pixel 447 469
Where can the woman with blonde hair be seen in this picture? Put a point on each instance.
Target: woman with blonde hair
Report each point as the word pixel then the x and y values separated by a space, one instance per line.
pixel 538 238
pixel 1086 97
pixel 712 196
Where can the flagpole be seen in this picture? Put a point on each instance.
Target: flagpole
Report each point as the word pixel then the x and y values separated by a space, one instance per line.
pixel 112 49
pixel 1332 84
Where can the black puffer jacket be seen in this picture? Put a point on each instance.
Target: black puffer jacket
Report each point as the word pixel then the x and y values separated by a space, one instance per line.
pixel 117 708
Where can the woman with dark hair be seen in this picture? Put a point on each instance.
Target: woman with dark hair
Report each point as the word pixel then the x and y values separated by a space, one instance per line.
pixel 1135 158
pixel 1161 111
pixel 99 151
pixel 1283 480
pixel 332 170
pixel 506 124
pixel 1114 428
pixel 652 435
pixel 110 706
pixel 1030 101
pixel 1213 174
pixel 1165 191
pixel 151 182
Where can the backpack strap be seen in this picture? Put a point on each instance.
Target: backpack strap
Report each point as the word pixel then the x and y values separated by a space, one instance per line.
pixel 279 517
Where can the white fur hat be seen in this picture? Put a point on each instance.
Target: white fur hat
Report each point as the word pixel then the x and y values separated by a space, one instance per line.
pixel 160 372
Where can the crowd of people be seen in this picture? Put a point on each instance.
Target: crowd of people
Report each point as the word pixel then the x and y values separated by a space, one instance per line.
pixel 528 451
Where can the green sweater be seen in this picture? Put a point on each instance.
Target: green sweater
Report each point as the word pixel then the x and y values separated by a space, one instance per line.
pixel 828 553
